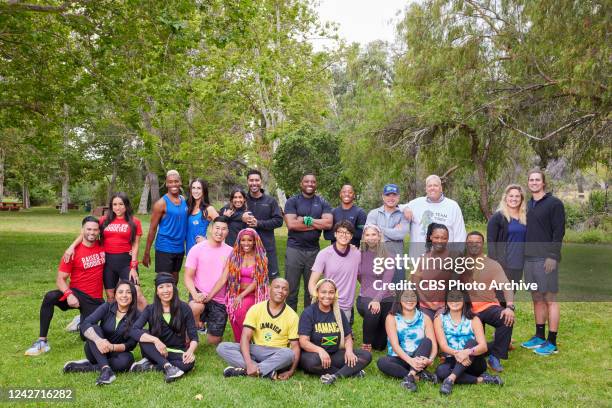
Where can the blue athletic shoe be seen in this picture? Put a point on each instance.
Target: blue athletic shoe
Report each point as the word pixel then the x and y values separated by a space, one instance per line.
pixel 495 364
pixel 546 349
pixel 533 343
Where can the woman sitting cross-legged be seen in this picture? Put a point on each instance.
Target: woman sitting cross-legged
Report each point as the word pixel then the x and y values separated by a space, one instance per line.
pixel 461 338
pixel 326 338
pixel 172 338
pixel 412 343
pixel 108 345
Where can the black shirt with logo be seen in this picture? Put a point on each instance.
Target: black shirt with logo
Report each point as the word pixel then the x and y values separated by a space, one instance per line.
pixel 322 328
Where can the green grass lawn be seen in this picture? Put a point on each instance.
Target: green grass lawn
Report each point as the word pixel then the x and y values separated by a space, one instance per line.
pixel 31 243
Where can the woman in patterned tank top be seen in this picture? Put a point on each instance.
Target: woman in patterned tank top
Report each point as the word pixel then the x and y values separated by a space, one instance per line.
pixel 461 338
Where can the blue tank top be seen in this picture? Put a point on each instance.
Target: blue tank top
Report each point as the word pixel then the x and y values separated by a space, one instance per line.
pixel 172 228
pixel 196 225
pixel 457 335
pixel 409 333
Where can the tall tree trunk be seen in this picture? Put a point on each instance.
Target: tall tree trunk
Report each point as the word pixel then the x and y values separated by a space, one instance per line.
pixel 479 162
pixel 25 196
pixel 2 157
pixel 65 185
pixel 154 186
pixel 113 182
pixel 144 196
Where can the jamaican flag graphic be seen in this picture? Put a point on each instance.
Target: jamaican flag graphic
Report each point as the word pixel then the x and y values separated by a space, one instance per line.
pixel 329 340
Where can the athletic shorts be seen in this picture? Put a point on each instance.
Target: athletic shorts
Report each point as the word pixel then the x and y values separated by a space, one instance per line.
pixel 215 317
pixel 534 273
pixel 116 266
pixel 168 262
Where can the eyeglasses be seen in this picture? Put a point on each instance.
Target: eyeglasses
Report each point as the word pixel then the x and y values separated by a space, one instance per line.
pixel 344 233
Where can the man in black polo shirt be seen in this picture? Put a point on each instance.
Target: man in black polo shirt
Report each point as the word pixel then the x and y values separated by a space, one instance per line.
pixel 349 212
pixel 264 215
pixel 545 231
pixel 306 215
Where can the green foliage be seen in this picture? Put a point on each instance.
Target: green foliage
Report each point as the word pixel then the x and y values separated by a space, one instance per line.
pixel 468 200
pixel 599 202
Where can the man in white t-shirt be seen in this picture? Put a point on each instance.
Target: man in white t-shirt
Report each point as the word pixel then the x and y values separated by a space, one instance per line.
pixel 434 207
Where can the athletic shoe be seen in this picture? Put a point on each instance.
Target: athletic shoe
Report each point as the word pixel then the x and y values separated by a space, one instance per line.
pixel 203 331
pixel 106 376
pixel 142 366
pixel 172 373
pixel 360 374
pixel 409 383
pixel 495 364
pixel 427 376
pixel 546 349
pixel 447 387
pixel 328 379
pixel 74 325
pixel 272 375
pixel 234 372
pixel 533 343
pixel 79 366
pixel 491 379
pixel 38 347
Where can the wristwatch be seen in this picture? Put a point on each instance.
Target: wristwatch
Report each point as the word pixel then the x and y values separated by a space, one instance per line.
pixel 511 307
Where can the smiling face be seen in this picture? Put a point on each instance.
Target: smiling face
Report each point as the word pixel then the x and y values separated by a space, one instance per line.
pixel 91 231
pixel 474 245
pixel 391 200
pixel 514 199
pixel 238 200
pixel 123 295
pixel 247 243
pixel 536 183
pixel 219 231
pixel 433 189
pixel 118 207
pixel 165 291
pixel 347 194
pixel 326 294
pixel 408 300
pixel 279 290
pixel 254 182
pixel 173 184
pixel 343 236
pixel 308 185
pixel 196 190
pixel 439 239
pixel 371 236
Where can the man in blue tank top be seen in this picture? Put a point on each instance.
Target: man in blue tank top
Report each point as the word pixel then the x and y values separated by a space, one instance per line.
pixel 170 215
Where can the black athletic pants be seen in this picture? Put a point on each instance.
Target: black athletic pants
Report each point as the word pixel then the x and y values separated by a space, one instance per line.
pixel 176 359
pixel 374 332
pixel 396 367
pixel 465 375
pixel 87 305
pixel 311 363
pixel 121 361
pixel 503 334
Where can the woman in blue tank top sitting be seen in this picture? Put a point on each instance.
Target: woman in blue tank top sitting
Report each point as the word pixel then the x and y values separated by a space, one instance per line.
pixel 411 342
pixel 462 340
pixel 200 213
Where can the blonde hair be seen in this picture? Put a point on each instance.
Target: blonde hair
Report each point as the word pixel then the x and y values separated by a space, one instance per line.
pixel 335 307
pixel 173 173
pixel 379 248
pixel 503 207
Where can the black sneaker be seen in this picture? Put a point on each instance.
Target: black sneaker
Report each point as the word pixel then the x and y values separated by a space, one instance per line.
pixel 427 376
pixel 491 379
pixel 409 383
pixel 106 376
pixel 272 375
pixel 79 366
pixel 142 366
pixel 234 372
pixel 447 387
pixel 172 373
pixel 328 379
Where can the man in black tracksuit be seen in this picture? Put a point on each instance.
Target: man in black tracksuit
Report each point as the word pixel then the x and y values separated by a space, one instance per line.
pixel 265 216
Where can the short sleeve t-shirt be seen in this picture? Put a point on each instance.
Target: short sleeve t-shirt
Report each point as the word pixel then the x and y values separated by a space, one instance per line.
pixel 342 270
pixel 85 269
pixel 491 272
pixel 269 330
pixel 208 262
pixel 117 235
pixel 301 206
pixel 322 328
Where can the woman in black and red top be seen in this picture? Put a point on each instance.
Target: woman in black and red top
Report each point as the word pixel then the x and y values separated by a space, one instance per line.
pixel 120 234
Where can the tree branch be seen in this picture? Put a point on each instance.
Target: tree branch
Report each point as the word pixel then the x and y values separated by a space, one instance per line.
pixel 569 125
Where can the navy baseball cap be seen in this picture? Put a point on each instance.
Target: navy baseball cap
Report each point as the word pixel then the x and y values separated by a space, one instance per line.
pixel 391 189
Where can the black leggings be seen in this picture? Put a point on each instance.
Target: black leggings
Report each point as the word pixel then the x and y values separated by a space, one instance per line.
pixel 176 359
pixel 121 361
pixel 87 305
pixel 465 375
pixel 311 363
pixel 396 367
pixel 374 324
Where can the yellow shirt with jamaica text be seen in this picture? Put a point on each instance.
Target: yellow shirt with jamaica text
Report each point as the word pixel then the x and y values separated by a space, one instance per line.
pixel 272 330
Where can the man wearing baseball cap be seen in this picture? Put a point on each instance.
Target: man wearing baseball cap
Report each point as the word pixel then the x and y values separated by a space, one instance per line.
pixel 392 222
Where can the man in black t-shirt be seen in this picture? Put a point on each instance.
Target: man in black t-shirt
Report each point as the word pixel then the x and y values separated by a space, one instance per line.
pixel 306 215
pixel 347 210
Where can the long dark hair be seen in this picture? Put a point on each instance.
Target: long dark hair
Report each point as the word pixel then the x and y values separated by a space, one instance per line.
pixel 397 301
pixel 430 229
pixel 129 218
pixel 176 316
pixel 231 198
pixel 130 316
pixel 204 202
pixel 467 304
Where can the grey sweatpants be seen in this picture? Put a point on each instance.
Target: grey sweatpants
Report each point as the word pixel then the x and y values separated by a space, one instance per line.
pixel 268 359
pixel 298 263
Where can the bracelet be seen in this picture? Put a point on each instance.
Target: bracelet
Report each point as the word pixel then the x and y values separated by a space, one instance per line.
pixel 472 351
pixel 133 264
pixel 67 293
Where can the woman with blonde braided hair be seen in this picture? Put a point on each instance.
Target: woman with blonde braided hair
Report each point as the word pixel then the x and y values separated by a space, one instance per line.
pixel 246 277
pixel 326 338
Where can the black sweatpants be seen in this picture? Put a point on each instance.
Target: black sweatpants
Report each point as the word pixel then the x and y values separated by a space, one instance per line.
pixel 176 359
pixel 374 332
pixel 298 264
pixel 87 305
pixel 311 363
pixel 465 375
pixel 503 334
pixel 120 361
pixel 396 367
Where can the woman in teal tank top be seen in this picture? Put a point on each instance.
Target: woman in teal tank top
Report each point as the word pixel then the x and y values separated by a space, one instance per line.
pixel 411 344
pixel 461 339
pixel 200 213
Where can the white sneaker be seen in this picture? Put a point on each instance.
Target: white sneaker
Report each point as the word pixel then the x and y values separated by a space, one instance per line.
pixel 38 347
pixel 73 326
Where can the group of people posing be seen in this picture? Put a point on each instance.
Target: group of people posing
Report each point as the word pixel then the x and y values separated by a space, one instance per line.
pixel 231 273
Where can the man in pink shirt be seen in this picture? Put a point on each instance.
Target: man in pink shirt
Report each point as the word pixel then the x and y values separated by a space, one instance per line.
pixel 204 266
